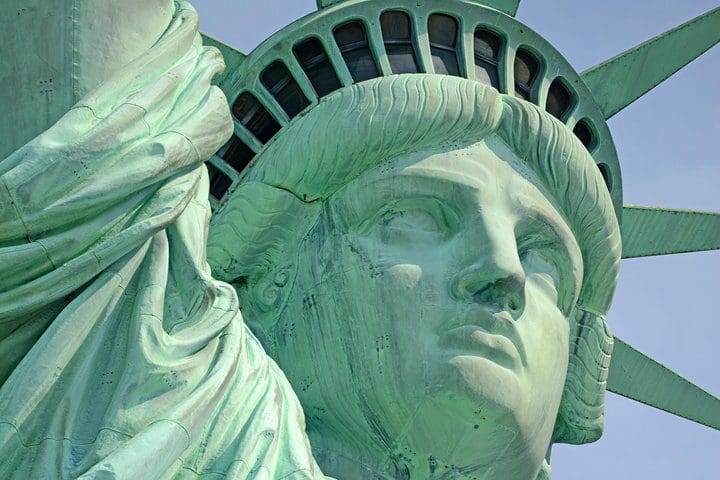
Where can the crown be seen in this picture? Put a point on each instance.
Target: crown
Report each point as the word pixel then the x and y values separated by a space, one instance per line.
pixel 350 41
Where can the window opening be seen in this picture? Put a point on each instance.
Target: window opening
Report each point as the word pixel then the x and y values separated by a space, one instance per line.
pixel 353 42
pixel 526 72
pixel 315 63
pixel 559 99
pixel 584 132
pixel 250 113
pixel 487 47
pixel 605 172
pixel 219 182
pixel 238 154
pixel 397 34
pixel 281 84
pixel 443 33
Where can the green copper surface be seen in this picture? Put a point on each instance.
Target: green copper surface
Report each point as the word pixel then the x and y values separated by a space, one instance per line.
pixel 641 378
pixel 651 231
pixel 423 261
pixel 122 357
pixel 53 53
pixel 391 211
pixel 623 79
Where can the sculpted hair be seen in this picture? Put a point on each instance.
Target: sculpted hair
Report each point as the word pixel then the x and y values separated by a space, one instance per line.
pixel 328 147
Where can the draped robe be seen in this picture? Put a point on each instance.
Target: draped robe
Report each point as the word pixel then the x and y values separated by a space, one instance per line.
pixel 121 356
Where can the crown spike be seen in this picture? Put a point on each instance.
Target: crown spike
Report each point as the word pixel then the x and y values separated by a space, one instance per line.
pixel 509 7
pixel 649 231
pixel 638 377
pixel 618 82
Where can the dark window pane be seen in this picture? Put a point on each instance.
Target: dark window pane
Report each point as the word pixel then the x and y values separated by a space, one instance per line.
pixel 219 182
pixel 353 43
pixel 559 99
pixel 487 44
pixel 487 53
pixel 526 71
pixel 402 58
pixel 487 73
pixel 396 25
pixel 284 88
pixel 350 33
pixel 254 117
pixel 314 61
pixel 238 155
pixel 443 32
pixel 397 33
pixel 526 67
pixel 445 62
pixel 605 172
pixel 583 131
pixel 361 65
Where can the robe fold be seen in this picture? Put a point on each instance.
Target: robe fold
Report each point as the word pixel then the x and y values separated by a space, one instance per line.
pixel 121 356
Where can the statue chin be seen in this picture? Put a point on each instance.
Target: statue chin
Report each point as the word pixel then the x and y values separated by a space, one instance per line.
pixel 425 318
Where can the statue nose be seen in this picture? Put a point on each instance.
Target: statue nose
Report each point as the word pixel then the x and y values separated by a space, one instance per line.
pixel 497 285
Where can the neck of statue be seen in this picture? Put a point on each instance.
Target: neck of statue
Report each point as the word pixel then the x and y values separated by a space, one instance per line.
pixel 352 458
pixel 339 460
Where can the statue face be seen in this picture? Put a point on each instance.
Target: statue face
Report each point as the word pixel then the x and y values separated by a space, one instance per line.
pixel 432 301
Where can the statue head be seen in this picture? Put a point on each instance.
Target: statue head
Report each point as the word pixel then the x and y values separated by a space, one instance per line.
pixel 429 262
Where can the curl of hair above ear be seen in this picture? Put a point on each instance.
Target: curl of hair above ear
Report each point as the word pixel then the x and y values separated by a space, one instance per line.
pixel 258 231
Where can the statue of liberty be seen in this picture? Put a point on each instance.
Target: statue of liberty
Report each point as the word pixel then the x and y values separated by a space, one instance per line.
pixel 414 240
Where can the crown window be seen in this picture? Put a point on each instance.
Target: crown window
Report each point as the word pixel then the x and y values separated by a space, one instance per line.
pixel 584 132
pixel 238 154
pixel 443 33
pixel 397 33
pixel 487 46
pixel 526 72
pixel 315 63
pixel 559 100
pixel 352 40
pixel 605 172
pixel 284 88
pixel 219 182
pixel 249 112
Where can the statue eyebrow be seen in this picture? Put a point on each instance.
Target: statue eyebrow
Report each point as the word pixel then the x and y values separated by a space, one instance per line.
pixel 358 208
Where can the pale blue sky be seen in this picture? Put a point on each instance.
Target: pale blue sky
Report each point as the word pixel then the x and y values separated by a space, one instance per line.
pixel 668 148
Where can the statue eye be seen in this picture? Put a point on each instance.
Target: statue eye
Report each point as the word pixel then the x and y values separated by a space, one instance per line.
pixel 547 264
pixel 543 271
pixel 410 220
pixel 419 221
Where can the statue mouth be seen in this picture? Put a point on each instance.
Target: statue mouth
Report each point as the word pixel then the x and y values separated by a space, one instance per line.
pixel 483 334
pixel 475 341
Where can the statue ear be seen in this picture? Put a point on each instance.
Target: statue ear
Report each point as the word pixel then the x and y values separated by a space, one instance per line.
pixel 262 300
pixel 270 291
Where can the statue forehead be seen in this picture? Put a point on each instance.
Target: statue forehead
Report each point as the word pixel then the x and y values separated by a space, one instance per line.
pixel 449 170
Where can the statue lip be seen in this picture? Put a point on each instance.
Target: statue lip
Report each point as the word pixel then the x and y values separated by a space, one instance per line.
pixel 492 335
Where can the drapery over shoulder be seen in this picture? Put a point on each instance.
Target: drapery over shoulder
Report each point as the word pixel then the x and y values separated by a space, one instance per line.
pixel 121 356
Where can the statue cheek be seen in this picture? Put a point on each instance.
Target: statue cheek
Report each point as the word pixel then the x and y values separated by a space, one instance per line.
pixel 545 333
pixel 406 276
